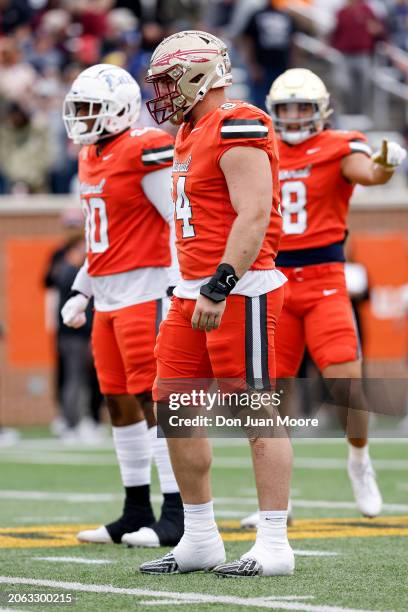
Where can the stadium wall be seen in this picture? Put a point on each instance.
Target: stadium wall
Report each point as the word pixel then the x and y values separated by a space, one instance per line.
pixel 30 228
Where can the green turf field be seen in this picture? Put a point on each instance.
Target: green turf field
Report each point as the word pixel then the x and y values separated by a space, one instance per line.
pixel 343 562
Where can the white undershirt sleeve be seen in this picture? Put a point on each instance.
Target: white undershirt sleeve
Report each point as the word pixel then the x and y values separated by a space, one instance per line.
pixel 82 282
pixel 157 189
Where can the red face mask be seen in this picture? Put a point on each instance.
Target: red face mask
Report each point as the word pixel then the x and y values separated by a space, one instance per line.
pixel 163 107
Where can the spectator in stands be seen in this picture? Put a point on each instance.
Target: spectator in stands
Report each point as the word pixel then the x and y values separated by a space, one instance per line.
pixel 24 152
pixel 13 15
pixel 17 77
pixel 180 14
pixel 355 35
pixel 398 21
pixel 268 44
pixel 43 52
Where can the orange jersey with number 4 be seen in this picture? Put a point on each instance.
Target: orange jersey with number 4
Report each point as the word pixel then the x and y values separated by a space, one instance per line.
pixel 314 194
pixel 124 231
pixel 203 210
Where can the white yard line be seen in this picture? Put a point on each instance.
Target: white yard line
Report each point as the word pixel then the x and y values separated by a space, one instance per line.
pixel 81 560
pixel 57 459
pixel 47 519
pixel 167 602
pixel 280 604
pixel 325 463
pixel 306 503
pixel 59 496
pixel 53 444
pixel 229 463
pixel 303 503
pixel 229 502
pixel 313 463
pixel 161 602
pixel 85 561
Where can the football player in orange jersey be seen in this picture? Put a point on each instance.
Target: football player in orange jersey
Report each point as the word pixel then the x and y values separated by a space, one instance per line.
pixel 319 169
pixel 125 179
pixel 222 319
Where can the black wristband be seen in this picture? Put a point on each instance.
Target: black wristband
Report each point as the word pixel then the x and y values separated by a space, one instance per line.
pixel 221 284
pixel 170 290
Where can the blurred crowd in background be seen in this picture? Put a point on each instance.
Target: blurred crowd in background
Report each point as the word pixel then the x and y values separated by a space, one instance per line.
pixel 44 44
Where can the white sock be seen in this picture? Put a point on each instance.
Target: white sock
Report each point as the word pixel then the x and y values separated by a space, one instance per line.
pixel 168 483
pixel 272 529
pixel 272 549
pixel 201 545
pixel 133 450
pixel 358 455
pixel 199 521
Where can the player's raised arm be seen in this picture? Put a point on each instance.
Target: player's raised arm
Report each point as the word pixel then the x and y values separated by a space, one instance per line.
pixel 377 170
pixel 248 174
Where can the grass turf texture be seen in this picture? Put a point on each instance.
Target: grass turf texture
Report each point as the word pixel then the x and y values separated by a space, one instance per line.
pixel 368 573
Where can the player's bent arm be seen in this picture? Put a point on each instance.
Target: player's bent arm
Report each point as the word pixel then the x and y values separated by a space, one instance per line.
pixel 73 311
pixel 82 282
pixel 248 174
pixel 378 170
pixel 157 189
pixel 361 170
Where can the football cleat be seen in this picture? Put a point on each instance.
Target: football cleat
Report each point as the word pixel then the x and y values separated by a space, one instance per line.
pixel 95 536
pixel 251 521
pixel 260 561
pixel 188 557
pixel 366 492
pixel 144 538
pixel 167 531
pixel 241 568
pixel 164 565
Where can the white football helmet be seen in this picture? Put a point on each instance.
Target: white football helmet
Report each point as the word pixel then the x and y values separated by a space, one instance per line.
pixel 114 100
pixel 183 68
pixel 300 86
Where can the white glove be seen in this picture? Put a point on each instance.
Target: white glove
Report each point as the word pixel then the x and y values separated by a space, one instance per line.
pixel 391 155
pixel 73 311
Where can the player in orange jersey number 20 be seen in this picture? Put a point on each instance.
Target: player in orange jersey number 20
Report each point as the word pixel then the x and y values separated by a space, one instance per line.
pixel 124 176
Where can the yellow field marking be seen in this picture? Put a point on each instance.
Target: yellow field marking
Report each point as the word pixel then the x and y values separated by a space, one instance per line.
pixel 57 536
pixel 45 536
pixel 325 528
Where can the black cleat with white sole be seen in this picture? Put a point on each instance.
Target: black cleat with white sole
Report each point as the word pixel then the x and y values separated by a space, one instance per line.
pixel 241 568
pixel 164 565
pixel 137 513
